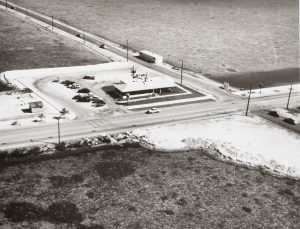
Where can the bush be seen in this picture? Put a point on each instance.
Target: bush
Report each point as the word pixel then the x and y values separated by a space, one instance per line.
pixel 84 90
pixel 61 146
pixel 102 46
pixel 273 113
pixel 64 212
pixel 114 170
pixel 23 211
pixel 247 209
pixel 289 121
pixel 26 90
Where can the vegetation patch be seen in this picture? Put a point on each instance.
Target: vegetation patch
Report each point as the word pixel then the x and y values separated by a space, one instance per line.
pixel 59 212
pixel 23 211
pixel 114 170
pixel 64 212
pixel 61 181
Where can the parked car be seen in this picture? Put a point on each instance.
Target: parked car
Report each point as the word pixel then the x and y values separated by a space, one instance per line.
pixel 153 110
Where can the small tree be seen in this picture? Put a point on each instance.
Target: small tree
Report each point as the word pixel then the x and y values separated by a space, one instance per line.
pixel 64 111
pixel 41 116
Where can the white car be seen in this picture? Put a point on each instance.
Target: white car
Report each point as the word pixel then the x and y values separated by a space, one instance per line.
pixel 153 110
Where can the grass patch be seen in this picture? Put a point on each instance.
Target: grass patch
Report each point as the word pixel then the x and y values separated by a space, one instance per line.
pixel 64 212
pixel 114 170
pixel 23 211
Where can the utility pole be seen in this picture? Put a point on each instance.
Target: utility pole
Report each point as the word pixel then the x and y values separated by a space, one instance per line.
pixel 127 50
pixel 52 21
pixel 58 128
pixel 181 72
pixel 26 12
pixel 6 4
pixel 288 102
pixel 249 99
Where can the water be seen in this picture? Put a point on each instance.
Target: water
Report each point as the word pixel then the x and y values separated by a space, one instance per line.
pixel 211 36
pixel 268 79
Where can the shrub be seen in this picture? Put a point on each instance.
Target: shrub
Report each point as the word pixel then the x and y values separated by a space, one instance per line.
pixel 23 211
pixel 247 209
pixel 102 46
pixel 64 212
pixel 273 113
pixel 289 121
pixel 61 146
pixel 84 90
pixel 114 170
pixel 285 191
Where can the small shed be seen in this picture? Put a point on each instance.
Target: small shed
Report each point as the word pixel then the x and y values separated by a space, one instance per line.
pixel 35 107
pixel 151 57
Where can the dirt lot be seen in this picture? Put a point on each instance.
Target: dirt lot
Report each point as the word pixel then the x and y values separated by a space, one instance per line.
pixel 24 46
pixel 212 36
pixel 132 187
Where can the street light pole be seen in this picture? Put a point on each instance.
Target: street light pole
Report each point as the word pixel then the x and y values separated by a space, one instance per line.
pixel 58 125
pixel 288 102
pixel 181 72
pixel 248 100
pixel 127 50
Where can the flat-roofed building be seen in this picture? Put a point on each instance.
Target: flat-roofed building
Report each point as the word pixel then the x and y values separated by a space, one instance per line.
pixel 136 87
pixel 150 57
pixel 35 107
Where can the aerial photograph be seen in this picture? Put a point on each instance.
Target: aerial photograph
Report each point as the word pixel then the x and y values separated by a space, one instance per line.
pixel 149 114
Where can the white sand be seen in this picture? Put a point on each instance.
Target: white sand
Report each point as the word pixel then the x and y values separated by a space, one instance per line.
pixel 248 140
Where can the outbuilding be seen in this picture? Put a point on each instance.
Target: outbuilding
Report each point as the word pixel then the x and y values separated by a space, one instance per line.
pixel 35 107
pixel 150 57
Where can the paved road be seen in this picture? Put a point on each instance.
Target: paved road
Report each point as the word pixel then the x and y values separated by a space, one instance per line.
pixel 95 126
pixel 224 105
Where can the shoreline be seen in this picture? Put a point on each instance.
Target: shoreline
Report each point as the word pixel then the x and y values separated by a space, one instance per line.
pixel 270 78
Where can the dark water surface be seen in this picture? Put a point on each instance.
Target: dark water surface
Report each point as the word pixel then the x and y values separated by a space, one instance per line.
pixel 268 79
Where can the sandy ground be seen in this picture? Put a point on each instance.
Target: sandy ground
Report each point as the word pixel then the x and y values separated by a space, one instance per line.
pixel 247 140
pixel 212 36
pixel 40 81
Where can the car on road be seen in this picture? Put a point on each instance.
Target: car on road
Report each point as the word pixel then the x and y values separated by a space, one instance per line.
pixel 153 110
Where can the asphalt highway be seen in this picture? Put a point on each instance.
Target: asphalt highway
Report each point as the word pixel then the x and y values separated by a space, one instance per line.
pixel 170 115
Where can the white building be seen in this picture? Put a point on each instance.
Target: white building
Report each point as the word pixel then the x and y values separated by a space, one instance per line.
pixel 35 107
pixel 144 86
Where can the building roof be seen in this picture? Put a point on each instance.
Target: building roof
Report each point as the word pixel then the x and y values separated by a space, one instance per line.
pixel 37 104
pixel 142 84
